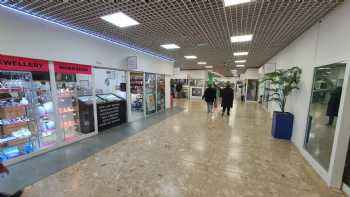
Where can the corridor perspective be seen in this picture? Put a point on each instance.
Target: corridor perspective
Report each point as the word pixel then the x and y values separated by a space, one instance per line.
pixel 193 153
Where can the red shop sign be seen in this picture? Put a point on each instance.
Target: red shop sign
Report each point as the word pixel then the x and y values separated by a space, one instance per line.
pixel 23 64
pixel 69 68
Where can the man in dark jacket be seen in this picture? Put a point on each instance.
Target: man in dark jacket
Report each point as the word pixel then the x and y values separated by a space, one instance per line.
pixel 333 105
pixel 227 99
pixel 209 96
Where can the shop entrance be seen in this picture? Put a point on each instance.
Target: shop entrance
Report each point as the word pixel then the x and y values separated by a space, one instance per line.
pixel 110 87
pixel 136 95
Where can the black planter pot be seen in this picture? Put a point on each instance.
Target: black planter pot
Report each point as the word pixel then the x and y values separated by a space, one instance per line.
pixel 282 125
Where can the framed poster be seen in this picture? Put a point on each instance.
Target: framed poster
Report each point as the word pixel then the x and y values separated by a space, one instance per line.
pixel 197 92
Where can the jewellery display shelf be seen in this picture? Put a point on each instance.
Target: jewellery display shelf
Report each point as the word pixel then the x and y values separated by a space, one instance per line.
pixel 45 114
pixel 18 129
pixel 68 106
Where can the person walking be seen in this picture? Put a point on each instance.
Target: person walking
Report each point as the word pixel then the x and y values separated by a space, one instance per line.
pixel 209 97
pixel 227 99
pixel 333 105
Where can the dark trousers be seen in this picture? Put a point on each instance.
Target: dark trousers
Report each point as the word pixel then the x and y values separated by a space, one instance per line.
pixel 224 108
pixel 330 120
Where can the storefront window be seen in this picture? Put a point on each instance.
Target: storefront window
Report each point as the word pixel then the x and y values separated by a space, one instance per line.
pixel 75 117
pixel 26 109
pixel 150 93
pixel 323 112
pixel 136 91
pixel 160 92
pixel 110 97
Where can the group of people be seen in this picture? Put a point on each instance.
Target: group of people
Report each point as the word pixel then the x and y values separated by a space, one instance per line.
pixel 226 94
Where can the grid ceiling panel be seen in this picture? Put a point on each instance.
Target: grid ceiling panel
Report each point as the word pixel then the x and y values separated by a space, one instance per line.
pixel 200 27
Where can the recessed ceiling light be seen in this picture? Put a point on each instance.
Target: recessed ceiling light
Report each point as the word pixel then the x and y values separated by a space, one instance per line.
pixel 235 2
pixel 240 61
pixel 240 66
pixel 190 57
pixel 208 66
pixel 120 19
pixel 202 63
pixel 324 68
pixel 242 38
pixel 170 46
pixel 240 53
pixel 211 70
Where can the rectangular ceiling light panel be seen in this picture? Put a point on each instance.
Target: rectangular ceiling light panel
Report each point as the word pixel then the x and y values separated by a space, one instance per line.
pixel 208 67
pixel 120 19
pixel 243 53
pixel 190 57
pixel 170 46
pixel 240 66
pixel 202 63
pixel 235 2
pixel 242 38
pixel 240 61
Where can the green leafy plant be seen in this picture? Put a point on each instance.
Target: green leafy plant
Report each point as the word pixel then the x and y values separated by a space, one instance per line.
pixel 283 82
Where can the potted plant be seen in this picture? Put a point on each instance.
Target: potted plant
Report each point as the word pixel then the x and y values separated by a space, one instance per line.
pixel 283 82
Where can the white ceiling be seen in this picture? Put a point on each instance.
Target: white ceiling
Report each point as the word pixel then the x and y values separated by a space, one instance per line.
pixel 200 27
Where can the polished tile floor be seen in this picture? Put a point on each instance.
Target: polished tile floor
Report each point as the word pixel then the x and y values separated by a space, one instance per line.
pixel 192 154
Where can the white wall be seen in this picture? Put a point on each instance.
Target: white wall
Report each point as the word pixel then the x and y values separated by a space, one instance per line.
pixel 325 43
pixel 191 74
pixel 26 36
pixel 22 35
pixel 251 73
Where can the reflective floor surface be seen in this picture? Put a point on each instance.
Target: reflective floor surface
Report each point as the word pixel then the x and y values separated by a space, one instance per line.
pixel 193 154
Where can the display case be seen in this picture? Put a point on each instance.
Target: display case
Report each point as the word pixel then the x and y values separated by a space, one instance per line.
pixel 44 112
pixel 18 128
pixel 109 97
pixel 111 112
pixel 75 117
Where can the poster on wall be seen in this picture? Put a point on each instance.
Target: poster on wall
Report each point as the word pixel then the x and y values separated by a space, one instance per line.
pixel 131 62
pixel 197 92
pixel 151 102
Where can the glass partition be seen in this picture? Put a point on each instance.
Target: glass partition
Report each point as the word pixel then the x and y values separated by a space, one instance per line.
pixel 150 93
pixel 323 111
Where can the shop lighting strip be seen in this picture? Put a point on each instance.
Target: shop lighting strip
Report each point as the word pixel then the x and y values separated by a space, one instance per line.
pixel 119 43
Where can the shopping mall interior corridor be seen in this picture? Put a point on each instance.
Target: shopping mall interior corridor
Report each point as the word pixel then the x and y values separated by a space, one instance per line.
pixel 192 154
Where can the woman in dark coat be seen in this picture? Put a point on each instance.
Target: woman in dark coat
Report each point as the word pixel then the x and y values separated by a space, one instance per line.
pixel 333 105
pixel 227 99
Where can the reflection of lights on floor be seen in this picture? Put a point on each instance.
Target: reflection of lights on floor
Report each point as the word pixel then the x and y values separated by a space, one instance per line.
pixel 235 139
pixel 312 135
pixel 235 155
pixel 176 128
